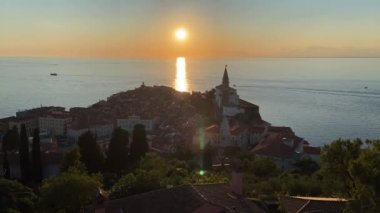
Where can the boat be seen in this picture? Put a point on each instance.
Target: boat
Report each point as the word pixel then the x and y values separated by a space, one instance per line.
pixel 53 74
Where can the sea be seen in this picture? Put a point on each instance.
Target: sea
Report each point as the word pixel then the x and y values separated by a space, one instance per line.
pixel 321 99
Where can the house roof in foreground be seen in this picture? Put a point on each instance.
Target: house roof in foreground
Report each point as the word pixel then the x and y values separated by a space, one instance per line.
pixel 296 204
pixel 184 198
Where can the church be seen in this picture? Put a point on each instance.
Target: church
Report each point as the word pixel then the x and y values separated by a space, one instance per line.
pixel 237 119
pixel 226 98
pixel 239 124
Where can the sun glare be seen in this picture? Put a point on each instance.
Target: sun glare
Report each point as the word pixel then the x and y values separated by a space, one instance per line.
pixel 181 34
pixel 181 79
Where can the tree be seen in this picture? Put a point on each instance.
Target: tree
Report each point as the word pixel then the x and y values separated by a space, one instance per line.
pixel 336 158
pixel 72 160
pixel 356 171
pixel 13 139
pixel 306 166
pixel 36 157
pixel 117 156
pixel 206 177
pixel 24 155
pixel 153 172
pixel 139 145
pixel 15 197
pixel 69 192
pixel 6 167
pixel 124 186
pixel 262 167
pixel 365 171
pixel 10 142
pixel 90 152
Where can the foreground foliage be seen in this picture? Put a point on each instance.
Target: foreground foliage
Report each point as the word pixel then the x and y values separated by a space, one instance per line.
pixel 350 169
pixel 15 197
pixel 69 192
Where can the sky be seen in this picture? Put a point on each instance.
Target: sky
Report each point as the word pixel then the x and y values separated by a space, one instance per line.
pixel 216 28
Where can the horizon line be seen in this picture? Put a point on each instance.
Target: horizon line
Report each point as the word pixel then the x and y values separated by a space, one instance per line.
pixel 194 57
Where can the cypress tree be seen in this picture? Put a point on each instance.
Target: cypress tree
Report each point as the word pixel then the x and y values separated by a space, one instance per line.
pixel 91 155
pixel 36 157
pixel 139 145
pixel 6 167
pixel 24 155
pixel 13 139
pixel 117 155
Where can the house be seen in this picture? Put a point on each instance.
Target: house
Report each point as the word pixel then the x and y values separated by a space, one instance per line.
pixel 314 153
pixel 281 145
pixel 296 204
pixel 197 198
pixel 188 198
pixel 31 118
pixel 231 133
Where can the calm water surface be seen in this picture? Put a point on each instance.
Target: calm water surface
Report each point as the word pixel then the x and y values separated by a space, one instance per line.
pixel 321 99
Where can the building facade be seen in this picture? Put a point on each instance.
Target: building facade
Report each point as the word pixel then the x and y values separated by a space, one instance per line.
pixel 54 125
pixel 101 130
pixel 129 123
pixel 30 124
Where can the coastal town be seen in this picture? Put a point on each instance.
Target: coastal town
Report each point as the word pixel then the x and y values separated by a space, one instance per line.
pixel 189 106
pixel 199 145
pixel 172 120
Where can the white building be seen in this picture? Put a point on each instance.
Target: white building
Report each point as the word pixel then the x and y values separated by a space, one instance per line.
pixel 226 135
pixel 100 130
pixel 56 125
pixel 129 124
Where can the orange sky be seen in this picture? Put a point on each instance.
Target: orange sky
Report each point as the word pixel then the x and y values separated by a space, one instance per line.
pixel 242 28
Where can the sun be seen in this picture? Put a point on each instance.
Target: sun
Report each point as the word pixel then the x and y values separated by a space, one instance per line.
pixel 180 34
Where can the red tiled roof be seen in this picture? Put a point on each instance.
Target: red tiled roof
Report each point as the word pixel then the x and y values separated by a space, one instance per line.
pixel 183 198
pixel 273 146
pixel 312 150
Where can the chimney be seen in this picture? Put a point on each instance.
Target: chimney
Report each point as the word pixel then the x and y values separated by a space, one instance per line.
pixel 237 177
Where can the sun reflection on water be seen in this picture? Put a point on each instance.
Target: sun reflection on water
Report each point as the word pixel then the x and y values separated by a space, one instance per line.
pixel 181 79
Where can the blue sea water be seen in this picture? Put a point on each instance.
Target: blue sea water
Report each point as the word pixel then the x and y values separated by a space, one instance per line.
pixel 322 99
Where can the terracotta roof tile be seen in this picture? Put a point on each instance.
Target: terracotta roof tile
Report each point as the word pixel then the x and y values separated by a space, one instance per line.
pixel 273 146
pixel 293 204
pixel 184 198
pixel 312 150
